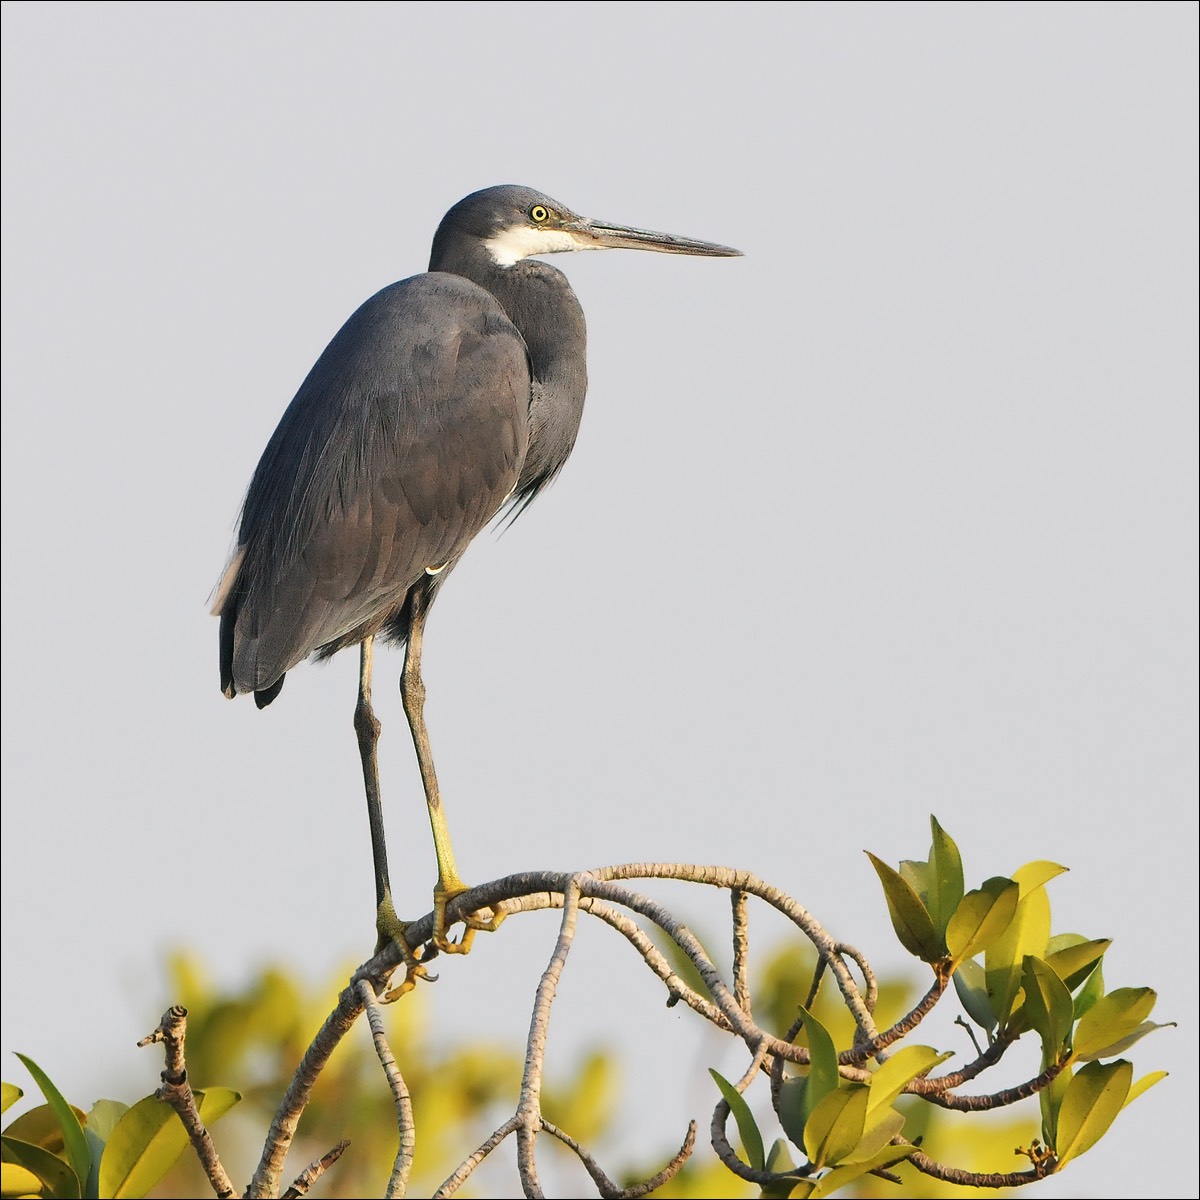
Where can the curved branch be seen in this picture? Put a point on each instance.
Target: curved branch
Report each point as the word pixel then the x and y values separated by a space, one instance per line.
pixel 398 1182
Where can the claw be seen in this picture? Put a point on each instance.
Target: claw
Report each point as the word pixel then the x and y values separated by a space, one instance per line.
pixel 390 929
pixel 472 923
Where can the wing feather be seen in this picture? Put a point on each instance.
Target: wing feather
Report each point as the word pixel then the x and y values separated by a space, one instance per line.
pixel 401 444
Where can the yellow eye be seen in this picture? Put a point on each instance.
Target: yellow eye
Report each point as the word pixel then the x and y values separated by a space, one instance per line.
pixel 539 213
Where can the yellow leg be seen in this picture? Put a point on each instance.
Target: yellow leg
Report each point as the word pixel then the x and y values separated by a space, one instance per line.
pixel 449 883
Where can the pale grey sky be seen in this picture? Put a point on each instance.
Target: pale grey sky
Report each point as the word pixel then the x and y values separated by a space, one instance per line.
pixel 894 515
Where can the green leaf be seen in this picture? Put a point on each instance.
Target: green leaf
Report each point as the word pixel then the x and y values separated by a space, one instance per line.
pixel 1144 1085
pixel 1093 1099
pixel 1027 933
pixel 890 1079
pixel 101 1121
pixel 839 1177
pixel 1048 1007
pixel 945 878
pixel 981 916
pixel 1074 963
pixel 1050 1100
pixel 747 1127
pixel 971 985
pixel 73 1138
pixel 779 1157
pixel 9 1095
pixel 103 1118
pixel 793 1112
pixel 803 1190
pixel 148 1140
pixel 59 1180
pixel 910 917
pixel 1110 1019
pixel 916 875
pixel 1092 990
pixel 823 1075
pixel 779 1161
pixel 836 1125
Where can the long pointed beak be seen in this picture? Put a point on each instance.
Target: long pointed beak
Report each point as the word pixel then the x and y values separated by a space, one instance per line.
pixel 602 235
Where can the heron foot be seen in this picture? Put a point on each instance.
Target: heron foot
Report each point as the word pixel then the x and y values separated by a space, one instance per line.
pixel 390 928
pixel 473 923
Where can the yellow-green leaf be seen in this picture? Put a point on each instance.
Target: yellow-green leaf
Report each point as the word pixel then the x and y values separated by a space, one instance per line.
pixel 9 1095
pixel 60 1181
pixel 74 1141
pixel 1048 1007
pixel 910 917
pixel 1144 1085
pixel 16 1181
pixel 1027 933
pixel 839 1177
pixel 1112 1018
pixel 878 1130
pixel 893 1075
pixel 1034 875
pixel 148 1140
pixel 981 916
pixel 836 1125
pixel 752 1141
pixel 1072 964
pixel 1092 1101
pixel 40 1127
pixel 1123 1044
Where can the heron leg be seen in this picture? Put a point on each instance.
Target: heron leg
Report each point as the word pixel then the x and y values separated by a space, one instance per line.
pixel 449 883
pixel 388 925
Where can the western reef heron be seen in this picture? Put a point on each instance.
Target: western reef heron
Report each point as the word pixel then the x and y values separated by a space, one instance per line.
pixel 444 399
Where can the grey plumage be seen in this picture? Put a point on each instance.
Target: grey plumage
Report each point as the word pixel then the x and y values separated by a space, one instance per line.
pixel 442 398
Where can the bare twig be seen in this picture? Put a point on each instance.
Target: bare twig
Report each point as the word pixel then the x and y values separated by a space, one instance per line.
pixel 463 1171
pixel 992 1179
pixel 741 949
pixel 606 1187
pixel 927 1090
pixel 398 1183
pixel 529 1109
pixel 177 1092
pixel 860 961
pixel 314 1171
pixel 861 1051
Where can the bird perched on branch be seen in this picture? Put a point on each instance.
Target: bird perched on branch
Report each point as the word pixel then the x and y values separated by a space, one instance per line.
pixel 442 400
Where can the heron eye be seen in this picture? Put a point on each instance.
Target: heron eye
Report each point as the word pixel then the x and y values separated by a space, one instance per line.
pixel 539 213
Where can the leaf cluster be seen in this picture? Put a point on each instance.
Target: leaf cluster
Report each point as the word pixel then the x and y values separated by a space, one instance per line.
pixel 1012 977
pixel 113 1150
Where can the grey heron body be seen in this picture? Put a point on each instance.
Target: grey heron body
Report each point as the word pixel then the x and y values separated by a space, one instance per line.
pixel 443 398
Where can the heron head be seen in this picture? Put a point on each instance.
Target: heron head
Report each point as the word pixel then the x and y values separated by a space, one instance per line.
pixel 516 222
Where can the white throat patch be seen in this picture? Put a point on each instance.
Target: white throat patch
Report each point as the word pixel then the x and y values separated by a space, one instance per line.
pixel 509 246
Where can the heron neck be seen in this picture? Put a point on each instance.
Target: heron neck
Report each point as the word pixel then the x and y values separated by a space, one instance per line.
pixel 540 303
